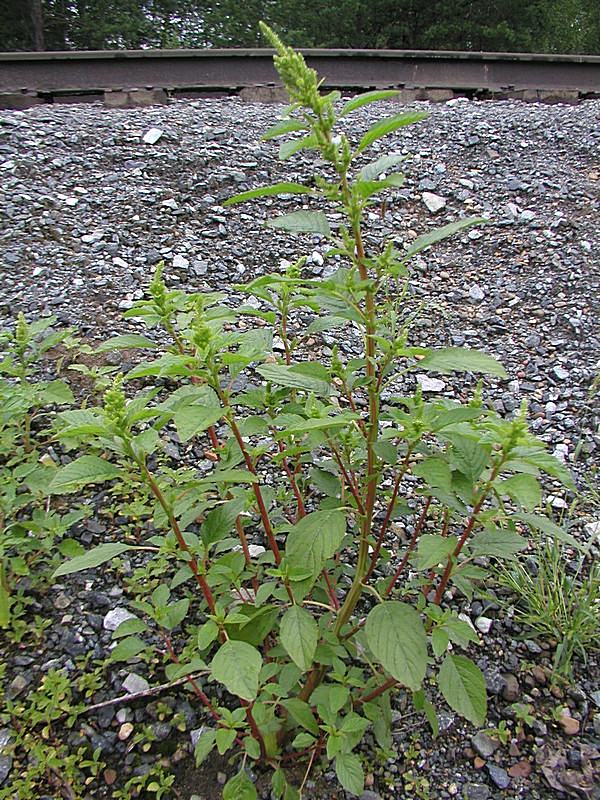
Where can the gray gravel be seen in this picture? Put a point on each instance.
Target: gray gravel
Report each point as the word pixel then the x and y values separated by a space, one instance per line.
pixel 88 208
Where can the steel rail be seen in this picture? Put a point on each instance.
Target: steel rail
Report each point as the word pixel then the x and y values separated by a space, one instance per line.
pixel 177 71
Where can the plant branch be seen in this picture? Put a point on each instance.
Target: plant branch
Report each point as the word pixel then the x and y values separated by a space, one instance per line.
pixel 411 546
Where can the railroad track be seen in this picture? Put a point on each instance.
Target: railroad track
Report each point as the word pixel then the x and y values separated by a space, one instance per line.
pixel 139 77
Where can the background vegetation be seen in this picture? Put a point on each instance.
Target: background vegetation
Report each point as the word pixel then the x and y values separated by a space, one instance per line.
pixel 556 26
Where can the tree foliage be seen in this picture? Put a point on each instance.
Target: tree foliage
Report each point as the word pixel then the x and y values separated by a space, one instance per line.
pixel 566 26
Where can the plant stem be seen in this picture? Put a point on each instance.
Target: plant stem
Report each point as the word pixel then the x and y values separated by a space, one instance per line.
pixel 381 689
pixel 411 546
pixel 388 515
pixel 201 580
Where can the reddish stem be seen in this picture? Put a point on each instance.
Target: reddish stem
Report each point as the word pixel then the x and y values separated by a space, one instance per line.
pixel 389 684
pixel 331 591
pixel 388 516
pixel 293 483
pixel 411 546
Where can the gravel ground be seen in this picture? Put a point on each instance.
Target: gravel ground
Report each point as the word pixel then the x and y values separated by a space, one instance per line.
pixel 88 207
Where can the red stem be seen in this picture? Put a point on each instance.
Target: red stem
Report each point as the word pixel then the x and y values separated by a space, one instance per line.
pixel 331 591
pixel 411 546
pixel 293 483
pixel 388 516
pixel 389 684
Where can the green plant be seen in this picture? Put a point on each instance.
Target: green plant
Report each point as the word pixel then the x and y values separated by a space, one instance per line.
pixel 28 527
pixel 280 577
pixel 43 763
pixel 156 782
pixel 556 602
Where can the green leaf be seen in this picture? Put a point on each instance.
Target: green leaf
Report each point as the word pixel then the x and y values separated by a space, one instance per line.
pixel 192 419
pixel 288 149
pixel 292 378
pixel 437 235
pixel 59 393
pixel 311 542
pixel 93 558
pixel 463 686
pixel 433 549
pixel 237 666
pixel 299 635
pixel 385 126
pixel 204 746
pixel 240 787
pixel 367 97
pixel 285 187
pixel 303 740
pixel 373 170
pixel 83 471
pixel 545 525
pixel 129 340
pixel 128 648
pixel 523 489
pixel 224 740
pixel 435 472
pixel 421 703
pixel 350 773
pixel 283 127
pixel 302 222
pixel 470 457
pixel 497 543
pixel 460 359
pixel 128 627
pixel 220 521
pixel 301 713
pixel 176 613
pixel 396 635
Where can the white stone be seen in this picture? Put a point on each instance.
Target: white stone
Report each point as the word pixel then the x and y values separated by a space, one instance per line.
pixel 180 262
pixel 170 203
pixel 561 452
pixel 592 529
pixel 119 262
pixel 115 617
pixel 152 136
pixel 561 373
pixel 476 293
pixel 557 502
pixel 71 201
pixel 317 258
pixel 135 683
pixel 428 384
pixel 483 624
pixel 527 216
pixel 255 550
pixel 512 209
pixel 433 202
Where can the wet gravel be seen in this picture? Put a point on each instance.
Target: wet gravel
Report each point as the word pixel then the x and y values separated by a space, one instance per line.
pixel 89 204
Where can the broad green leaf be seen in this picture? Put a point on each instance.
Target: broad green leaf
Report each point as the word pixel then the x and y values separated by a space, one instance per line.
pixel 224 740
pixel 545 525
pixel 288 149
pixel 460 359
pixel 302 222
pixel 59 393
pixel 220 521
pixel 385 126
pixel 303 740
pixel 433 549
pixel 240 787
pixel 302 714
pixel 311 542
pixel 496 543
pixel 83 471
pixel 299 635
pixel 237 666
pixel 367 97
pixel 435 472
pixel 373 170
pixel 283 127
pixel 129 340
pixel 523 489
pixel 176 613
pixel 128 648
pixel 396 635
pixel 421 703
pixel 463 686
pixel 292 378
pixel 129 627
pixel 93 558
pixel 192 419
pixel 350 773
pixel 285 187
pixel 470 457
pixel 437 235
pixel 204 746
